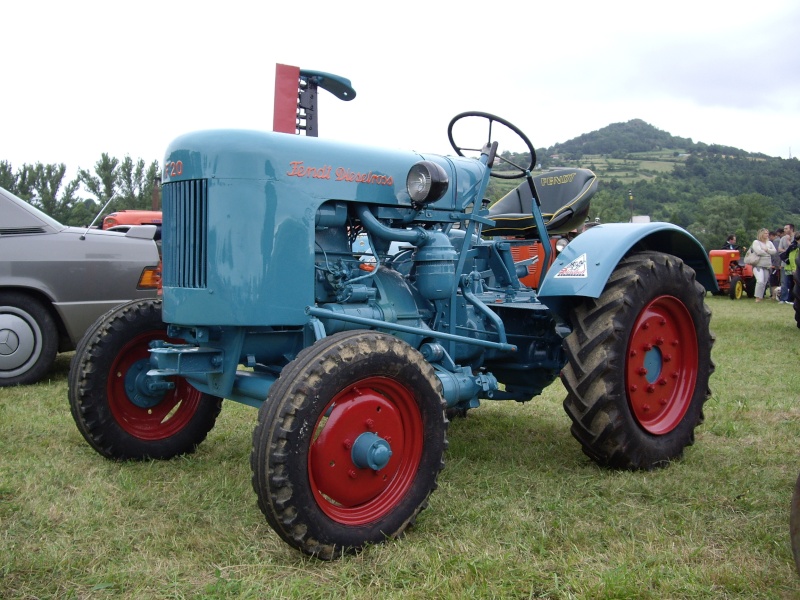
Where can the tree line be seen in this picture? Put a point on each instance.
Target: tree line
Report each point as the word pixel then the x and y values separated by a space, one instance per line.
pixel 127 183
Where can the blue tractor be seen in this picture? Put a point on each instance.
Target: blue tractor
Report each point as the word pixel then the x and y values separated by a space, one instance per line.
pixel 356 365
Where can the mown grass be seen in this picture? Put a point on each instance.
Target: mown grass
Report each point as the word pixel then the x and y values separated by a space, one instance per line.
pixel 520 511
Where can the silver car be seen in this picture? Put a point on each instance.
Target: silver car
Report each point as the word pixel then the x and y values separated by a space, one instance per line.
pixel 55 281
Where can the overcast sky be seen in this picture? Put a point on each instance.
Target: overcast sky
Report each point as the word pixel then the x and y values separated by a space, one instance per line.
pixel 82 78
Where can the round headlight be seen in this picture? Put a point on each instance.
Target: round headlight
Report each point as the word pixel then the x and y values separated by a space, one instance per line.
pixel 426 182
pixel 561 243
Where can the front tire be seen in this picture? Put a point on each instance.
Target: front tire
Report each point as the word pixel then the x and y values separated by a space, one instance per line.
pixel 737 288
pixel 28 339
pixel 110 402
pixel 639 361
pixel 349 397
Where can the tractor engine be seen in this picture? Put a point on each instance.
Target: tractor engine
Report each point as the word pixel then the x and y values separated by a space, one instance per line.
pixel 395 284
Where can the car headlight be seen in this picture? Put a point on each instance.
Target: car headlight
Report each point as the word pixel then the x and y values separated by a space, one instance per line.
pixel 561 243
pixel 426 182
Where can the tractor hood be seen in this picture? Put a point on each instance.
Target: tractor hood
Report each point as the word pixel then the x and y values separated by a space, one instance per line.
pixel 324 169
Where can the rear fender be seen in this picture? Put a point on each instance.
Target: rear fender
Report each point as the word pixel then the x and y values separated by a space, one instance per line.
pixel 585 265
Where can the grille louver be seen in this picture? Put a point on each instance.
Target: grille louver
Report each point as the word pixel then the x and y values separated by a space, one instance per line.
pixel 184 233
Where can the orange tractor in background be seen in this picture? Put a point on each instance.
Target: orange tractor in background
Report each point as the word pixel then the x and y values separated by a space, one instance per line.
pixel 121 220
pixel 733 276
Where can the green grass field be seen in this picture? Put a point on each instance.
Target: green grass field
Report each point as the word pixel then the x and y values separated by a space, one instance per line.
pixel 520 511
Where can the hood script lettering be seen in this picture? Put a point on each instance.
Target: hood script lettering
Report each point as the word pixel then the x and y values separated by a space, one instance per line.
pixel 298 169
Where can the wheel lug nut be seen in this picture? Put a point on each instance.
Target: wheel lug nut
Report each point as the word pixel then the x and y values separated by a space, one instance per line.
pixel 369 424
pixel 634 353
pixel 352 474
pixel 633 388
pixel 646 326
pixel 667 357
pixel 659 341
pixel 646 408
pixel 642 371
pixel 662 381
pixel 648 347
pixel 348 444
pixel 651 388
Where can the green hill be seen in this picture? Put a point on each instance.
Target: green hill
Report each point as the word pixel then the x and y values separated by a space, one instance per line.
pixel 637 137
pixel 621 138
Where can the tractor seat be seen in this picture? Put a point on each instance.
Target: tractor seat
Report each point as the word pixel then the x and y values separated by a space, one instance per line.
pixel 564 196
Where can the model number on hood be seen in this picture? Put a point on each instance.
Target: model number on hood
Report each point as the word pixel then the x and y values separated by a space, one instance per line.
pixel 173 169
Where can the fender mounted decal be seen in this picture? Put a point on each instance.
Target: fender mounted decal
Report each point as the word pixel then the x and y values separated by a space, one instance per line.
pixel 577 268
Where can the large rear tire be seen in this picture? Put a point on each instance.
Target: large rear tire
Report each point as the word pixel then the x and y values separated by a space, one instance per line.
pixel 349 443
pixel 750 287
pixel 639 361
pixel 111 404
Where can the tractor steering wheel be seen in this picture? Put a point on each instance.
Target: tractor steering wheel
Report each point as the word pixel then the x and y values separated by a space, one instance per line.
pixel 519 171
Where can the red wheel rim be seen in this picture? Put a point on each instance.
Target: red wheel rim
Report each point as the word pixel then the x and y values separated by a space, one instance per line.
pixel 661 365
pixel 166 417
pixel 344 492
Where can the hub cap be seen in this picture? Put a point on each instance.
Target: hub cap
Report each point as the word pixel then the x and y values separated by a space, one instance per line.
pixel 366 450
pixel 17 341
pixel 661 366
pixel 140 410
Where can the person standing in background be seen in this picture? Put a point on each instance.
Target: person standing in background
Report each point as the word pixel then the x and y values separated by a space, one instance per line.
pixel 791 265
pixel 730 243
pixel 764 249
pixel 786 281
pixel 775 272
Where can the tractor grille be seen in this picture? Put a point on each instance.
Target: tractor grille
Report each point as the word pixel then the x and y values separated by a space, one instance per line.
pixel 185 231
